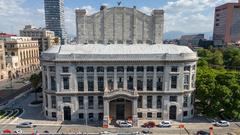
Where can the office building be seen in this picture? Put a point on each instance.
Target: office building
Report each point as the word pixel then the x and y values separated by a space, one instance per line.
pixel 54 18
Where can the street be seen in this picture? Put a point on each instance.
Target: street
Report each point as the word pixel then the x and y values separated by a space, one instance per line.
pixel 34 114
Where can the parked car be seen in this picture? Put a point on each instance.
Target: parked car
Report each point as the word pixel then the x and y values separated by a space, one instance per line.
pixel 221 123
pixel 165 124
pixel 7 131
pixel 18 131
pixel 202 133
pixel 123 123
pixel 25 125
pixel 149 124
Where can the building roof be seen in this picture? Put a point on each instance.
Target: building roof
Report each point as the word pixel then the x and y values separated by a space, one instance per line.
pixel 119 52
pixel 119 49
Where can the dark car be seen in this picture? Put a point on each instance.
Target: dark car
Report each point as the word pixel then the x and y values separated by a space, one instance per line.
pixel 202 133
pixel 149 124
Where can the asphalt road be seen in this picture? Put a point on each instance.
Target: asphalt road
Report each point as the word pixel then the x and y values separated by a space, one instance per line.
pixel 35 115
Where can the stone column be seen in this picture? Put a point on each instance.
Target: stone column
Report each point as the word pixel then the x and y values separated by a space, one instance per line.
pixel 166 78
pixel 105 80
pixel 115 87
pixel 135 78
pixel 165 107
pixel 58 78
pixel 180 78
pixel 106 114
pixel 154 102
pixel 85 79
pixel 85 102
pixel 95 79
pixel 48 79
pixel 154 78
pixel 134 112
pixel 145 78
pixel 73 78
pixel 125 78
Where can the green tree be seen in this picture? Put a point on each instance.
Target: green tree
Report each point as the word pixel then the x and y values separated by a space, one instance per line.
pixel 232 57
pixel 35 80
pixel 216 58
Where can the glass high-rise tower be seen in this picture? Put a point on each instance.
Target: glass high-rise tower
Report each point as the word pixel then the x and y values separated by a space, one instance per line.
pixel 54 17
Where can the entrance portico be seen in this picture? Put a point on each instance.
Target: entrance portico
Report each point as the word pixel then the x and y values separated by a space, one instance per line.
pixel 120 105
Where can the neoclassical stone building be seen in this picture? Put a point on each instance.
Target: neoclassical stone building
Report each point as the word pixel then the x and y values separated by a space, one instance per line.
pixel 121 25
pixel 112 82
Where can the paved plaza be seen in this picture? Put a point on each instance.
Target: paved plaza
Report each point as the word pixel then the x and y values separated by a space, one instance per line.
pixel 35 115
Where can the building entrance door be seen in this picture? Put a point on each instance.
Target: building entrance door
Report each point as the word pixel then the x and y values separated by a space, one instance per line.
pixel 120 110
pixel 172 112
pixel 67 113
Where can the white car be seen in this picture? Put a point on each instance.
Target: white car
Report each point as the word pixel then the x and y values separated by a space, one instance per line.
pixel 124 124
pixel 165 124
pixel 221 123
pixel 25 125
pixel 18 131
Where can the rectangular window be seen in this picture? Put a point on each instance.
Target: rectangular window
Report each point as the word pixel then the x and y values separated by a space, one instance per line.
pixel 140 115
pixel 140 102
pixel 130 83
pixel 66 99
pixel 52 68
pixel 53 114
pixel 80 83
pixel 90 116
pixel 192 99
pixel 149 115
pixel 149 84
pixel 46 113
pixel 90 102
pixel 149 101
pixel 185 113
pixel 65 69
pixel 90 83
pixel 65 83
pixel 185 101
pixel 53 83
pixel 46 98
pixel 159 101
pixel 174 69
pixel 46 82
pixel 54 101
pixel 80 102
pixel 174 82
pixel 120 82
pixel 186 82
pixel 159 83
pixel 160 69
pixel 159 115
pixel 100 83
pixel 100 116
pixel 173 99
pixel 81 116
pixel 139 83
pixel 100 102
pixel 187 68
pixel 193 81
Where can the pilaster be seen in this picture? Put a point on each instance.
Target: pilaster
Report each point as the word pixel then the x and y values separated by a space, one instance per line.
pixel 85 79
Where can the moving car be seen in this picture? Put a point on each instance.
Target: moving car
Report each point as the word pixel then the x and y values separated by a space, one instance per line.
pixel 165 124
pixel 18 131
pixel 146 131
pixel 221 123
pixel 25 125
pixel 202 133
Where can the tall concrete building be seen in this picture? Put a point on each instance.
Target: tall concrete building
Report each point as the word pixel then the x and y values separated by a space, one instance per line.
pixel 227 24
pixel 3 71
pixel 191 40
pixel 121 25
pixel 22 55
pixel 54 18
pixel 46 38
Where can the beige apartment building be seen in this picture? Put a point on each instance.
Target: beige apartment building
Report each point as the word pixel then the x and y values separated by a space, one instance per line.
pixel 3 72
pixel 46 38
pixel 22 55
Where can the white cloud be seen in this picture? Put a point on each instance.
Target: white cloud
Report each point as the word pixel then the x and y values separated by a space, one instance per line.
pixel 90 10
pixel 146 10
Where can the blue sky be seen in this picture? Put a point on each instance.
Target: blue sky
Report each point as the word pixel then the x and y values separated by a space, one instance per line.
pixel 189 16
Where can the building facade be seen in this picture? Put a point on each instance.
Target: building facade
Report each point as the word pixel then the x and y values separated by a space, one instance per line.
pixel 118 82
pixel 46 38
pixel 22 55
pixel 191 40
pixel 227 24
pixel 54 18
pixel 119 25
pixel 3 72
